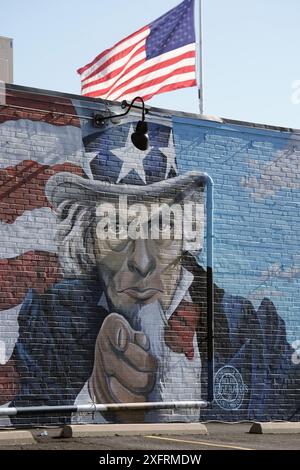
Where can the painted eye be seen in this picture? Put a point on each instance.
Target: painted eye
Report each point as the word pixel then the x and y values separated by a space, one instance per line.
pixel 120 239
pixel 117 229
pixel 165 225
pixel 121 228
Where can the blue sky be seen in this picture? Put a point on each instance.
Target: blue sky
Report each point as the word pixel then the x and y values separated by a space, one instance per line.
pixel 250 50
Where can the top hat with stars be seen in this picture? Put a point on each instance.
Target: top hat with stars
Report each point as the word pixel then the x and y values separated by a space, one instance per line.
pixel 115 169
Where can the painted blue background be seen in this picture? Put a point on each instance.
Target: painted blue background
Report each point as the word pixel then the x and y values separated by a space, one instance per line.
pixel 255 233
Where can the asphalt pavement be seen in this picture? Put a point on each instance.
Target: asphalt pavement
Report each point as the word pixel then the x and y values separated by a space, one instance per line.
pixel 221 437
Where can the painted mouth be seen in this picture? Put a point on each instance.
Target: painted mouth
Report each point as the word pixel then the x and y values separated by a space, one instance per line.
pixel 140 294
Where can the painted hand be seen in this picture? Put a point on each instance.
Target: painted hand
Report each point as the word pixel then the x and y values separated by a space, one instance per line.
pixel 124 370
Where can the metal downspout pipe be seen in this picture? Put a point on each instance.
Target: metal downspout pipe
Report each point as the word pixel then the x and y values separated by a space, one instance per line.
pixel 210 286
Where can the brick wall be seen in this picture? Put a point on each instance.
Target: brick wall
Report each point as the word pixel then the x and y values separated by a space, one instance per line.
pixel 87 317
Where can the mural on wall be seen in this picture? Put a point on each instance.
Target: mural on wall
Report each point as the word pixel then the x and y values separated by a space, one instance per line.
pixel 103 289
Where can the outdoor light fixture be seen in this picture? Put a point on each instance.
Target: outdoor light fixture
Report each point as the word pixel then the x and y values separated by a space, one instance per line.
pixel 139 138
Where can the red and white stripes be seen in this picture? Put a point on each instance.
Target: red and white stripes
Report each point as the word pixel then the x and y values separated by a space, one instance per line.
pixel 123 71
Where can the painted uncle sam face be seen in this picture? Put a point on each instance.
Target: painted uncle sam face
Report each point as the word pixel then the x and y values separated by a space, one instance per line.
pixel 140 261
pixel 139 246
pixel 144 217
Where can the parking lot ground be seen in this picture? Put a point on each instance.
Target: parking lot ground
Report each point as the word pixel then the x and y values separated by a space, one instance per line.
pixel 221 437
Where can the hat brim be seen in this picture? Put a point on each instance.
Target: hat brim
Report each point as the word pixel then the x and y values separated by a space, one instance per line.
pixel 65 186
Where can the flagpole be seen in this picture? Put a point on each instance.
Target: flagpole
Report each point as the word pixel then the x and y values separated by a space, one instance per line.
pixel 200 61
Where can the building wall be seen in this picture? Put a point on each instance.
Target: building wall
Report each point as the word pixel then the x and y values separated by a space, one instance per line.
pixel 89 315
pixel 6 59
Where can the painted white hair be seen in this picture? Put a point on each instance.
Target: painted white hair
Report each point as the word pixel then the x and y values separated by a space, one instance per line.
pixel 76 238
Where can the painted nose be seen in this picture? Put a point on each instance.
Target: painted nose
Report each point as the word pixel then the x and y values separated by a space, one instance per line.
pixel 141 261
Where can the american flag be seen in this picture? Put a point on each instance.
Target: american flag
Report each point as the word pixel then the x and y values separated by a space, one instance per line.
pixel 38 137
pixel 157 58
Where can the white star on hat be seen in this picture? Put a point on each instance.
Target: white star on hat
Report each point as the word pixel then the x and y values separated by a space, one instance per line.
pixel 88 157
pixel 132 158
pixel 170 153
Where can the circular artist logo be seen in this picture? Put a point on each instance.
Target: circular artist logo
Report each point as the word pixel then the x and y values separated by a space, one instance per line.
pixel 229 388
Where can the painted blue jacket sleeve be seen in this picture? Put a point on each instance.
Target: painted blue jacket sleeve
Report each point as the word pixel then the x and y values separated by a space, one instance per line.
pixel 55 349
pixel 255 377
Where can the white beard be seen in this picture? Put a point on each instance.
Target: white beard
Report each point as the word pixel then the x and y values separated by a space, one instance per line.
pixel 177 378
